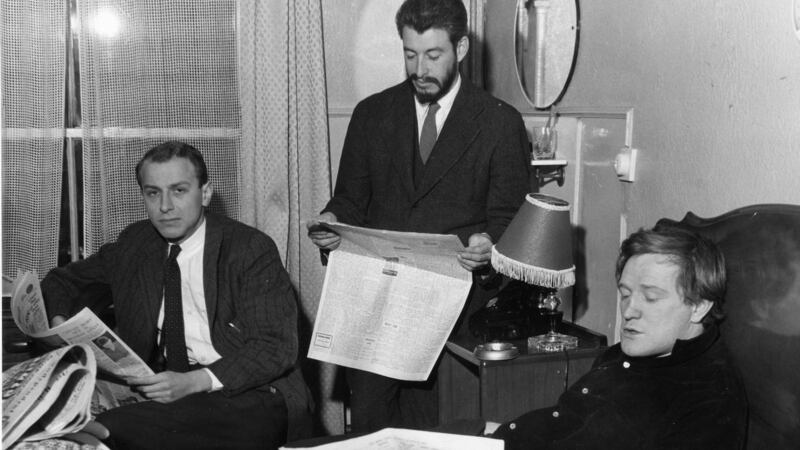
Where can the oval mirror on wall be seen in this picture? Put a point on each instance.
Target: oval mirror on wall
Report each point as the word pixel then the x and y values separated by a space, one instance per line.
pixel 546 42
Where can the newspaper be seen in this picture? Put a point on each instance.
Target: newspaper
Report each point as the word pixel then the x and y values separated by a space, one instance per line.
pixel 389 301
pixel 48 396
pixel 402 439
pixel 112 354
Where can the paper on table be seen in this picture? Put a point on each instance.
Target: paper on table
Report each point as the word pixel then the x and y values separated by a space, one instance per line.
pixel 402 439
pixel 389 301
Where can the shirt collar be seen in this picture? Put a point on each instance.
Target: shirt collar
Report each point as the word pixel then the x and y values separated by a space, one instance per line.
pixel 683 350
pixel 195 240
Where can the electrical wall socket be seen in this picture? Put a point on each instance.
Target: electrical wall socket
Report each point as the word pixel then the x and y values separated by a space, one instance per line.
pixel 625 164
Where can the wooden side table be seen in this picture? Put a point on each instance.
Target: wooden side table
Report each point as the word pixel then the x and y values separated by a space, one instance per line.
pixel 499 391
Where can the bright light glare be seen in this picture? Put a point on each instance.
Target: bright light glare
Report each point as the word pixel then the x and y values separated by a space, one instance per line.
pixel 107 24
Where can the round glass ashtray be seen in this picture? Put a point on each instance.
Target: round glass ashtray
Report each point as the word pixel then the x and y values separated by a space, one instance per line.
pixel 552 342
pixel 496 351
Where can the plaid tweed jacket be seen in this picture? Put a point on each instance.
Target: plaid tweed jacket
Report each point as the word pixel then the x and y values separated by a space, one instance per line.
pixel 251 305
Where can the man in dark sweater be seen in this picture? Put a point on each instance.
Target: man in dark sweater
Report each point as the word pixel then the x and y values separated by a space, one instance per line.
pixel 670 382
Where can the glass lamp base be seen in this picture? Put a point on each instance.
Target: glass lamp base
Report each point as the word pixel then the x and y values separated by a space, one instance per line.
pixel 552 342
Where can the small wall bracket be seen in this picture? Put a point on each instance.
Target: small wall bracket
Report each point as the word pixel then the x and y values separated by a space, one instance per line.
pixel 547 170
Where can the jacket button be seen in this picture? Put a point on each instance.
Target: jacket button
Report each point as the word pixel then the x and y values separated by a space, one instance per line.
pixel 585 391
pixel 626 364
pixel 272 390
pixel 555 414
pixel 512 426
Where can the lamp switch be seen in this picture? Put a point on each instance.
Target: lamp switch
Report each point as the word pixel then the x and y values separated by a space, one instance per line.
pixel 625 164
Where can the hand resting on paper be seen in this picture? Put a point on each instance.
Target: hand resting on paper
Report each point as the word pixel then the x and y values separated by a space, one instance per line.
pixel 52 342
pixel 91 434
pixel 168 386
pixel 57 320
pixel 478 254
pixel 323 237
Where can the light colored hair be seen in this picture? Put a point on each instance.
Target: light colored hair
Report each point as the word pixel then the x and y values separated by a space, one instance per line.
pixel 700 263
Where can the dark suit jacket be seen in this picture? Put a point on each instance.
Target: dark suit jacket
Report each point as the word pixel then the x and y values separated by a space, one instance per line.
pixel 474 181
pixel 251 306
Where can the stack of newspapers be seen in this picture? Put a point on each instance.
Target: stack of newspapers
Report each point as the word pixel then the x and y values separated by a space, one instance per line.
pixel 56 393
pixel 48 396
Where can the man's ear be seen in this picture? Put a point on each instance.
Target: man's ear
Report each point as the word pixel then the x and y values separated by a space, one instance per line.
pixel 462 47
pixel 207 192
pixel 699 310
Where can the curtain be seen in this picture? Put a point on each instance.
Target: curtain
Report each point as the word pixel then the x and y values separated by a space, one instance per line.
pixel 153 71
pixel 285 165
pixel 33 91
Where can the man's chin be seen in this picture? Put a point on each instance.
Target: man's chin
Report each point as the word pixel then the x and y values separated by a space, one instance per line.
pixel 630 348
pixel 169 234
pixel 427 97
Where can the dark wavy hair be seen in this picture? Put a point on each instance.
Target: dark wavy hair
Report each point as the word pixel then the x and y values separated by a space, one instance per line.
pixel 700 263
pixel 174 149
pixel 421 15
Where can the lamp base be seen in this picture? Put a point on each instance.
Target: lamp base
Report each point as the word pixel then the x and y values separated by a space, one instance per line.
pixel 552 342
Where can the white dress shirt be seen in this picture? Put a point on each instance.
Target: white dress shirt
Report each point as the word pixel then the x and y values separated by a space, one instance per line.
pixel 193 299
pixel 445 105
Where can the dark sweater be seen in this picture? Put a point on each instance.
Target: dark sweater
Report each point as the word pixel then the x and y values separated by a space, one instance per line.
pixel 691 399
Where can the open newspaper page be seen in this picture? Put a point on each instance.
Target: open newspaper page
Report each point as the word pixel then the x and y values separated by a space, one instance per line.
pixel 27 304
pixel 403 439
pixel 112 354
pixel 48 396
pixel 389 301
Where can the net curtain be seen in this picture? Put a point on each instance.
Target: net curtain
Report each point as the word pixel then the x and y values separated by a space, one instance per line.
pixel 33 61
pixel 285 165
pixel 152 71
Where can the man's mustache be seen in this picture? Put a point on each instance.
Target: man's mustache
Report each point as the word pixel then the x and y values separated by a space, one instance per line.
pixel 415 77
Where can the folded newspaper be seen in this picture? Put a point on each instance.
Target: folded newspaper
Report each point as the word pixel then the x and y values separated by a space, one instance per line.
pixel 48 396
pixel 58 392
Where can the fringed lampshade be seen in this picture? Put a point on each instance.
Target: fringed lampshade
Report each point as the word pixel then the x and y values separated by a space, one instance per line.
pixel 537 245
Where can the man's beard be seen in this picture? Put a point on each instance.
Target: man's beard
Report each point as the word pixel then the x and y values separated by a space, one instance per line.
pixel 444 85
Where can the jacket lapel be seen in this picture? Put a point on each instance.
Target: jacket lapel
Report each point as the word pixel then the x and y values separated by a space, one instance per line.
pixel 459 131
pixel 399 129
pixel 210 256
pixel 151 277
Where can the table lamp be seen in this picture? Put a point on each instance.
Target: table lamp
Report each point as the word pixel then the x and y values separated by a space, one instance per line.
pixel 536 248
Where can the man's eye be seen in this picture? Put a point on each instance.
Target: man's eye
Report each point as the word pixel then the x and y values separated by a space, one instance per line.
pixel 410 56
pixel 180 190
pixel 151 193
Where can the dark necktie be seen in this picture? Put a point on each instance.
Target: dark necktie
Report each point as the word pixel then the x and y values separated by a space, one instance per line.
pixel 428 137
pixel 172 334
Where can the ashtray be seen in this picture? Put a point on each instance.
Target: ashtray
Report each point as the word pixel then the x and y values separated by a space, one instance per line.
pixel 496 351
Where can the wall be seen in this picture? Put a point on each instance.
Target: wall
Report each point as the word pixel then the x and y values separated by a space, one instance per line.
pixel 715 86
pixel 363 55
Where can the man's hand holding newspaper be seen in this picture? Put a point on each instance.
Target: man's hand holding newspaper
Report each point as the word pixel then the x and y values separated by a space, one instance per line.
pixel 56 394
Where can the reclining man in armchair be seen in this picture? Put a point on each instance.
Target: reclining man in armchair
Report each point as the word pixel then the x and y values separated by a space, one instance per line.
pixel 670 382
